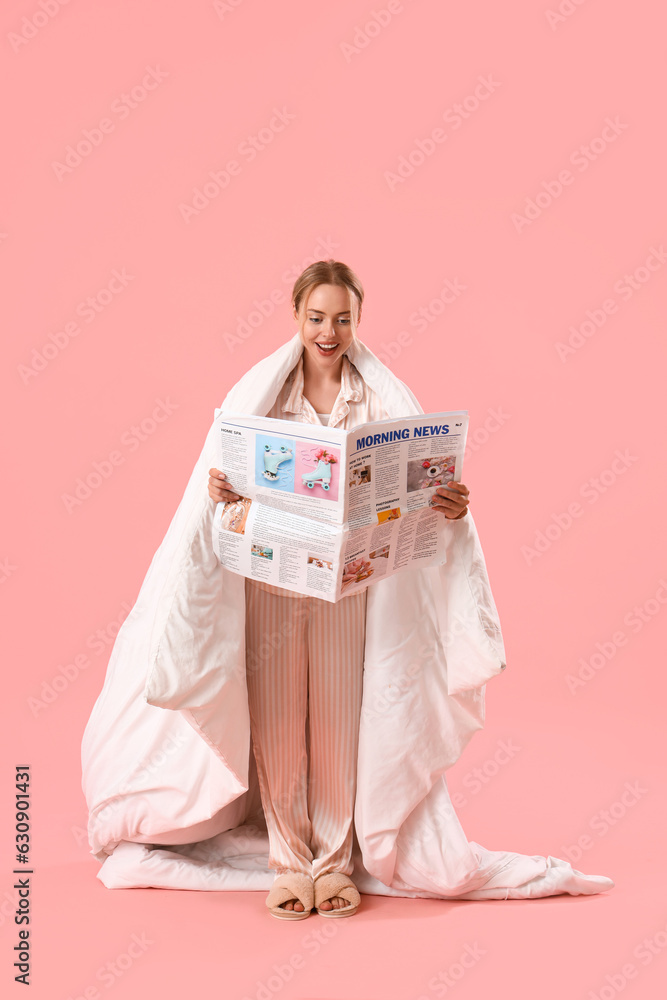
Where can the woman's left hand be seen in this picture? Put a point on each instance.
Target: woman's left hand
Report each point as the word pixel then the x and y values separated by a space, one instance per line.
pixel 452 500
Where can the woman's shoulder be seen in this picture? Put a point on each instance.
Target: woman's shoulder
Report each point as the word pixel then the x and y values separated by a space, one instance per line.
pixel 378 393
pixel 265 379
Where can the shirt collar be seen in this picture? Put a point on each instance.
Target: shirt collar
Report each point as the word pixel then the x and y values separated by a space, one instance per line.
pixel 351 386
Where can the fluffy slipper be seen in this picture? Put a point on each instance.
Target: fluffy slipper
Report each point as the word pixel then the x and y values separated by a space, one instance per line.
pixel 336 884
pixel 291 885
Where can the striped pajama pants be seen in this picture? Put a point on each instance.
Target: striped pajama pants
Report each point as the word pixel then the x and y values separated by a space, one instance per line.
pixel 304 668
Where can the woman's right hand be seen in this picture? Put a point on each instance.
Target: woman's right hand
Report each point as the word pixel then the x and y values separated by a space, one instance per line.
pixel 219 488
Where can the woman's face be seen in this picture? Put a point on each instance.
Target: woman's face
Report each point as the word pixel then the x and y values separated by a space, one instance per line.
pixel 327 331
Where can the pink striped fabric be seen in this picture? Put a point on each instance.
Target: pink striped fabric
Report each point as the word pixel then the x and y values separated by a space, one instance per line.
pixel 305 658
pixel 305 674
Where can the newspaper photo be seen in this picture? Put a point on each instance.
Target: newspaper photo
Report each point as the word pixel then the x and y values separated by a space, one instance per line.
pixel 327 512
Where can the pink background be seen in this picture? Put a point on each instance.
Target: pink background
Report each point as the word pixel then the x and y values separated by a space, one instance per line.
pixel 141 380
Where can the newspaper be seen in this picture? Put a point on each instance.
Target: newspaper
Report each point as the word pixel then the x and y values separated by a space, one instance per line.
pixel 327 512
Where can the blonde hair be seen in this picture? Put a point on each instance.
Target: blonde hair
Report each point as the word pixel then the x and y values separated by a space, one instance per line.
pixel 328 272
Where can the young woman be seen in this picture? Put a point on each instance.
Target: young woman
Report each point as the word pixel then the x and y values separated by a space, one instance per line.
pixel 306 834
pixel 351 712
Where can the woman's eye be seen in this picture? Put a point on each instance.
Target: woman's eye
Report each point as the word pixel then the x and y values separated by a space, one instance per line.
pixel 318 319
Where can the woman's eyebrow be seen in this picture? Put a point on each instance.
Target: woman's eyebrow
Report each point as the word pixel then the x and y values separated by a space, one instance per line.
pixel 344 312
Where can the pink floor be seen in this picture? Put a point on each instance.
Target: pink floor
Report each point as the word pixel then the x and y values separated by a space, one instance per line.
pixel 219 944
pixel 549 792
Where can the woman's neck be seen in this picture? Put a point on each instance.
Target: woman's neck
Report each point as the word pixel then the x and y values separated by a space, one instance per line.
pixel 318 379
pixel 321 388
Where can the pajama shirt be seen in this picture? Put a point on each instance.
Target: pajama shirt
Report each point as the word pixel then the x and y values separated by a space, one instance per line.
pixel 305 683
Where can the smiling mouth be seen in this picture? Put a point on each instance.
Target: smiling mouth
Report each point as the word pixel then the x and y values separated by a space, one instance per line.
pixel 326 349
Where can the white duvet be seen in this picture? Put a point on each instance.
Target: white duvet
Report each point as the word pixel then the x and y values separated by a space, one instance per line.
pixel 168 770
